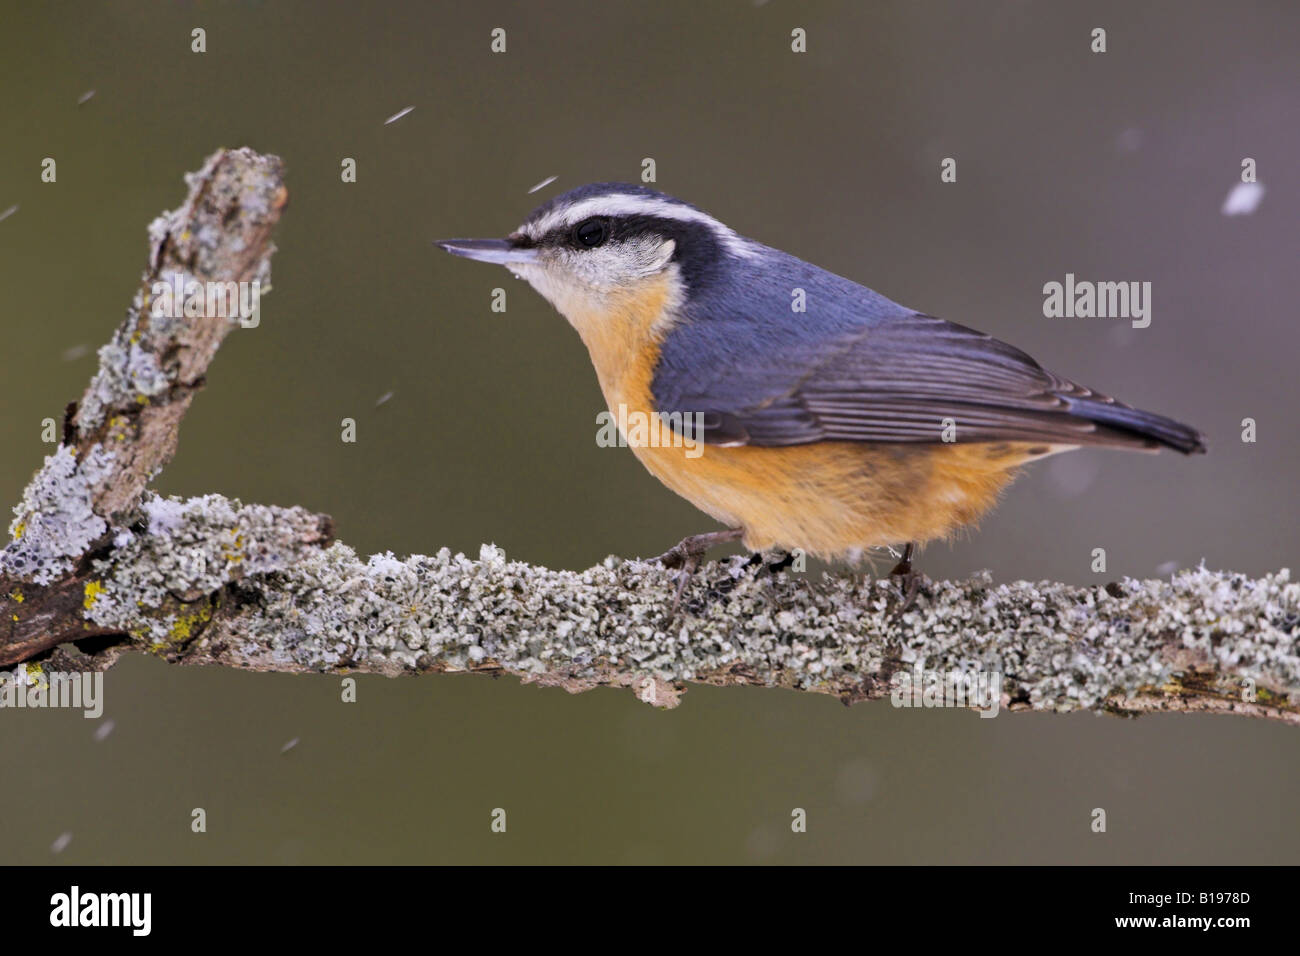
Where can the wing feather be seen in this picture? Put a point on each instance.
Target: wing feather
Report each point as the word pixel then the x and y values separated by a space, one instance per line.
pixel 901 378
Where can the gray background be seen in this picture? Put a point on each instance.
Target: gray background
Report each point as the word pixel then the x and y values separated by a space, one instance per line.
pixel 1109 166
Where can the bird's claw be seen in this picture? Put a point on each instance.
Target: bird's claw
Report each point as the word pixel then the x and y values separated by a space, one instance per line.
pixel 909 581
pixel 687 556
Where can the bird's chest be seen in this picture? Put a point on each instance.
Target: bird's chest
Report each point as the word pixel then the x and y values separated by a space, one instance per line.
pixel 622 336
pixel 624 343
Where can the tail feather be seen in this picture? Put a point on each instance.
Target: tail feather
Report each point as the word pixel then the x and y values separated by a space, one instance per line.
pixel 1157 428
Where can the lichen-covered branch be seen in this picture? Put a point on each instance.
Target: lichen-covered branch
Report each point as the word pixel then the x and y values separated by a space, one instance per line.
pixel 99 566
pixel 123 431
pixel 87 497
pixel 1203 641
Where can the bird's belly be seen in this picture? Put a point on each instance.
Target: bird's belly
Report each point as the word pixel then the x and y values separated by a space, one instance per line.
pixel 829 499
pixel 834 498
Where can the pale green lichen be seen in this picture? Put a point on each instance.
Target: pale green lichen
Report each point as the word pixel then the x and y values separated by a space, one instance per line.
pixel 55 522
pixel 1062 647
pixel 128 374
pixel 189 549
pixel 296 606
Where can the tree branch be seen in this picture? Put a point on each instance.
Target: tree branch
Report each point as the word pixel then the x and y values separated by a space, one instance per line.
pixel 99 565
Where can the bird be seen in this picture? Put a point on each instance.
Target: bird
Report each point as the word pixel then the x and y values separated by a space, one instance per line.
pixel 816 415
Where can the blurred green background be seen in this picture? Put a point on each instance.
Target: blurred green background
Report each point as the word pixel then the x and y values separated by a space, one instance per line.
pixel 1111 166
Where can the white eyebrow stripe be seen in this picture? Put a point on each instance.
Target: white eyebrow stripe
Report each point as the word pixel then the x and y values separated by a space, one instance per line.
pixel 621 204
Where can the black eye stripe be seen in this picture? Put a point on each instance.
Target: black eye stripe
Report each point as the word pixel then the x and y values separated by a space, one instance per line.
pixel 697 236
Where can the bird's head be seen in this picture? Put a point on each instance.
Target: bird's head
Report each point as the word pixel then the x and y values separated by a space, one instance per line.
pixel 597 247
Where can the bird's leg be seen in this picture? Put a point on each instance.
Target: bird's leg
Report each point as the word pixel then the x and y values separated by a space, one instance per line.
pixel 688 553
pixel 909 580
pixel 690 550
pixel 904 565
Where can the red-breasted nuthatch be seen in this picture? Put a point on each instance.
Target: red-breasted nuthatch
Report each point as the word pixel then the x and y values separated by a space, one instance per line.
pixel 854 423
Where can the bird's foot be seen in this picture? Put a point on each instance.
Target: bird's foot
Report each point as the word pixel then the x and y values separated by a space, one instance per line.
pixel 687 556
pixel 909 580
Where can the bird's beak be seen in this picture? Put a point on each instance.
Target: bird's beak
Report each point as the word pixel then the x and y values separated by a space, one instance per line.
pixel 502 252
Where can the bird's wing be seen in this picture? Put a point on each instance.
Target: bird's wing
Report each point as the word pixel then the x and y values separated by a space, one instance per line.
pixel 901 377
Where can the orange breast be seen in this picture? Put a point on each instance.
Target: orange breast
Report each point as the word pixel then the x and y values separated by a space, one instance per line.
pixel 829 499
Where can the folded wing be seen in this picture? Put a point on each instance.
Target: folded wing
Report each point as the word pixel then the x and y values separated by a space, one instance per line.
pixel 900 376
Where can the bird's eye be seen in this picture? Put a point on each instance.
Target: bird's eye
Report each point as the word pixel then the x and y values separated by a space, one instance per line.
pixel 591 233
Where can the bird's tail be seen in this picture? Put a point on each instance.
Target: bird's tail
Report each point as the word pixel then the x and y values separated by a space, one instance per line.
pixel 1134 421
